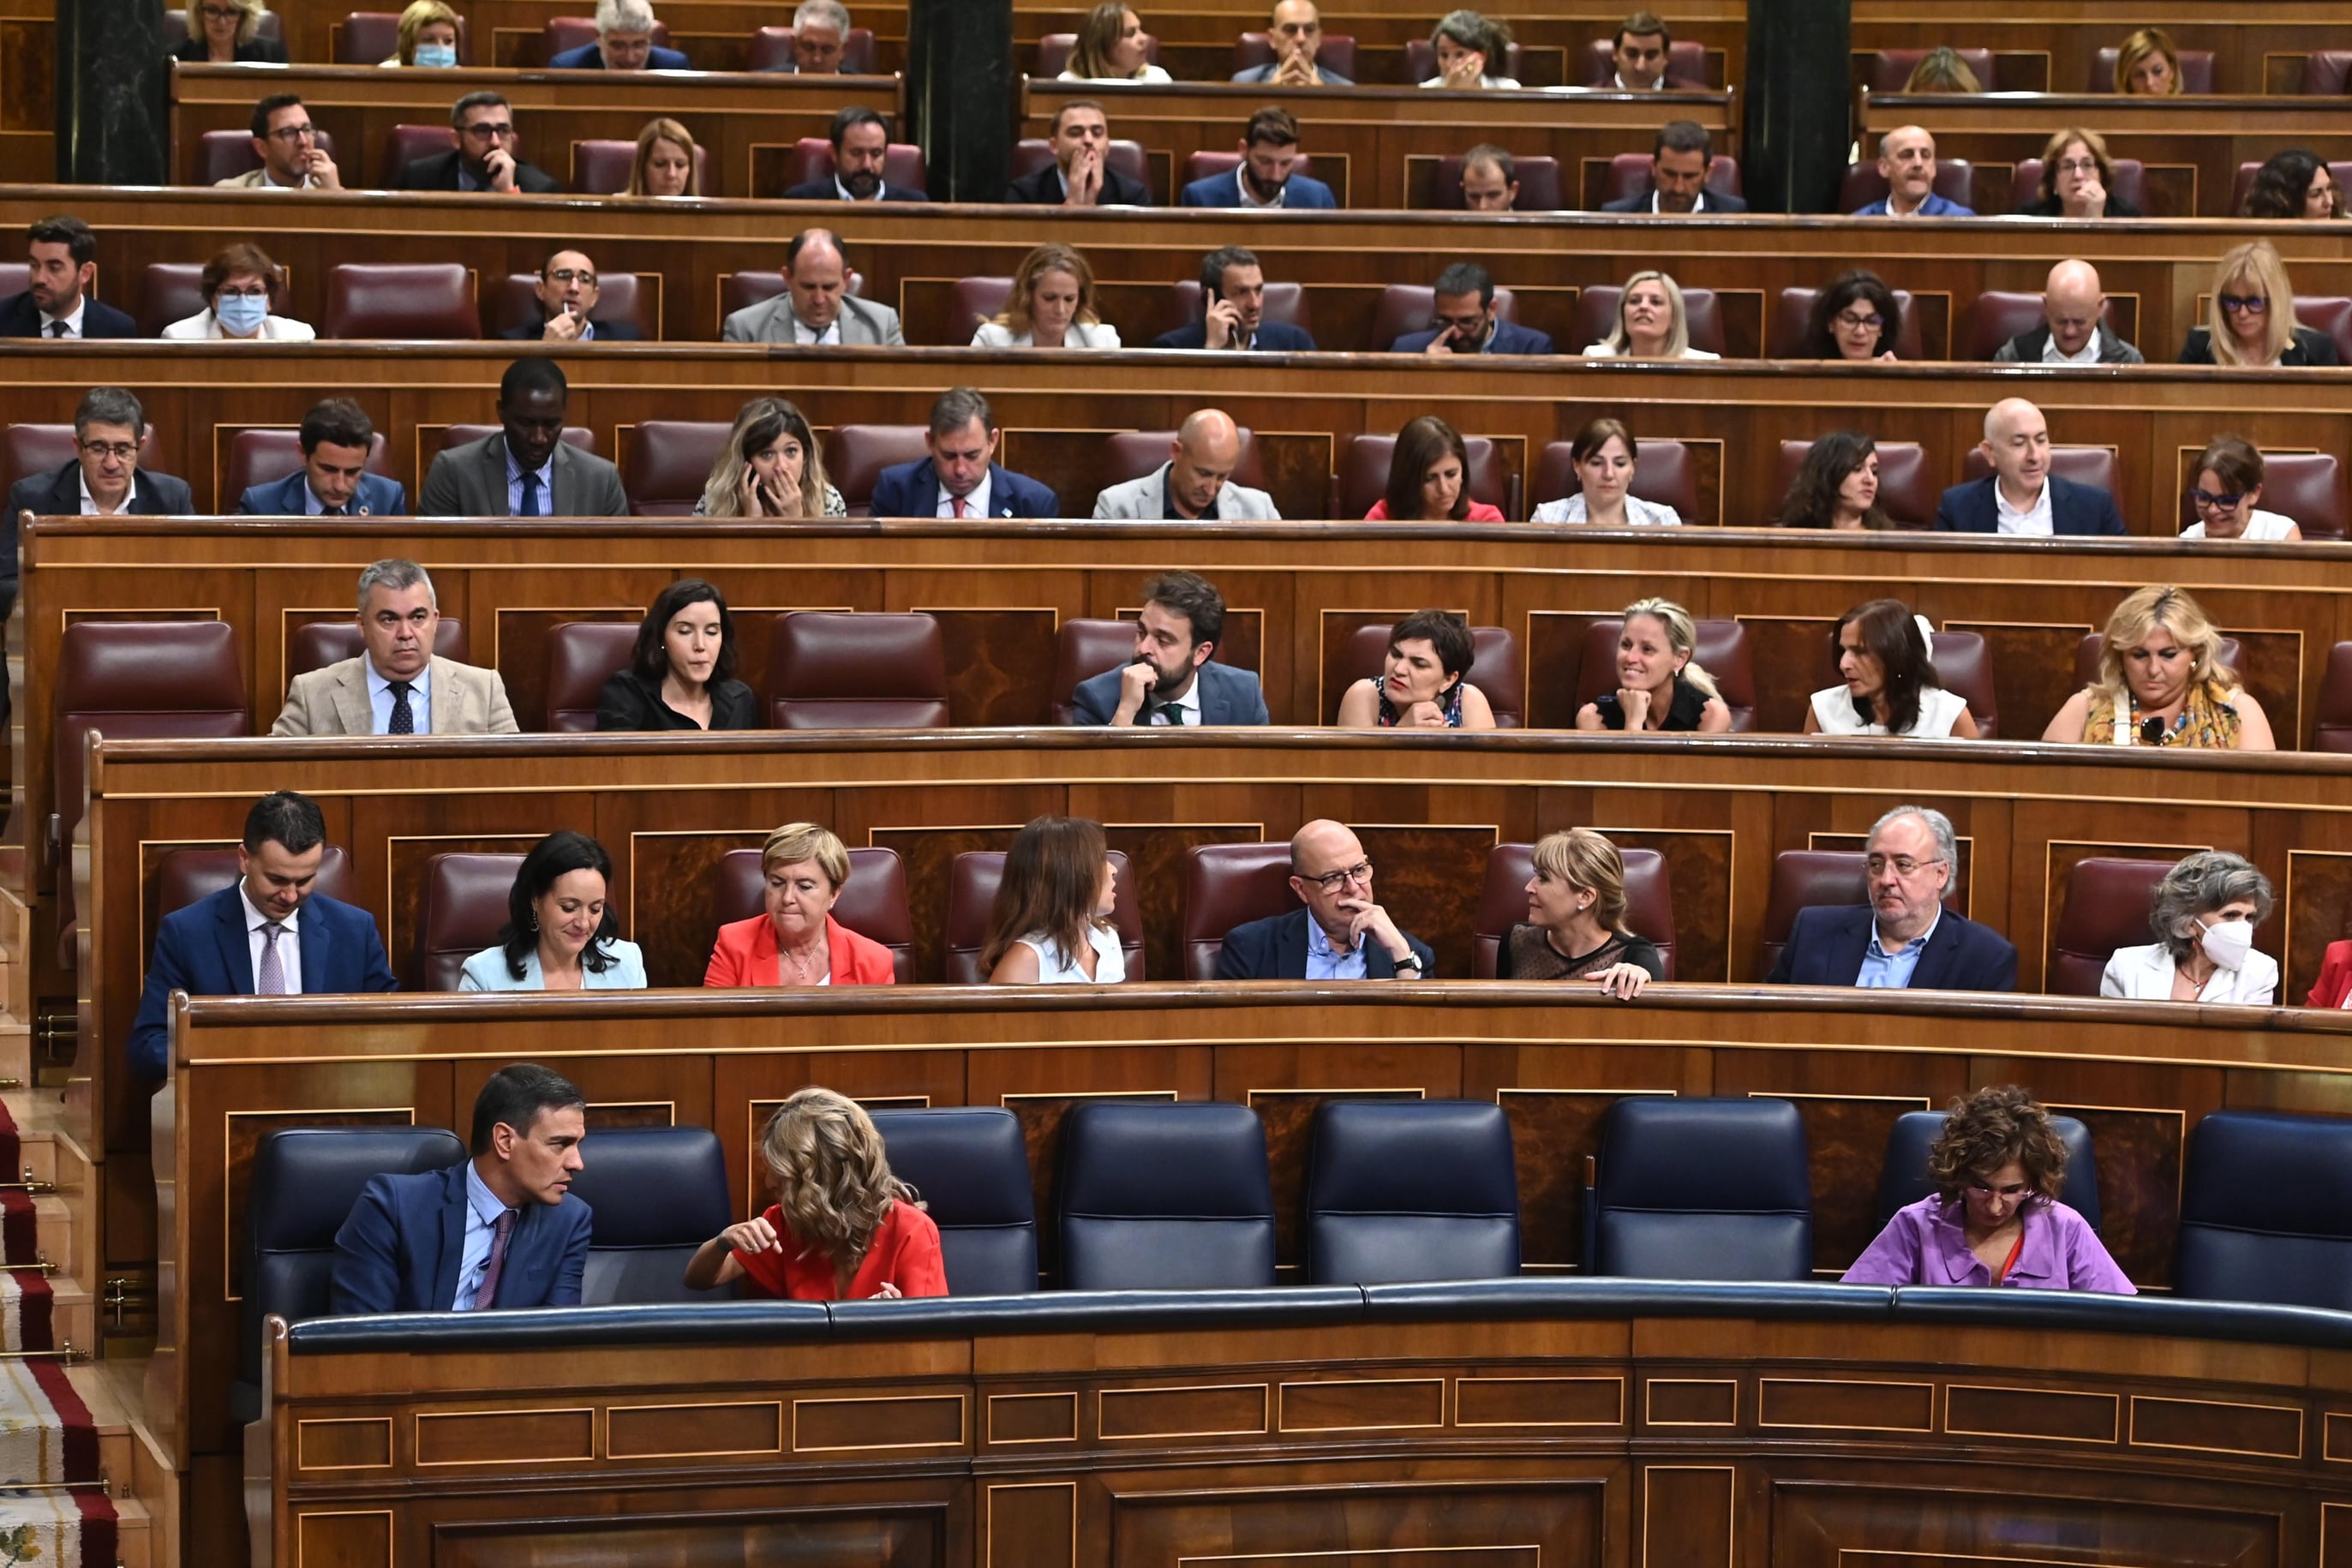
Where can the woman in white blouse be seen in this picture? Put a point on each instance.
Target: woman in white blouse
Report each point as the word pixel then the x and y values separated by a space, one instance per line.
pixel 242 288
pixel 1052 306
pixel 1052 921
pixel 2228 496
pixel 1891 687
pixel 1604 455
pixel 1651 323
pixel 1112 46
pixel 2206 910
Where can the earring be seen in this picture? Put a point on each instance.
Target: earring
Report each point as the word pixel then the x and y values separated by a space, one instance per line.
pixel 532 920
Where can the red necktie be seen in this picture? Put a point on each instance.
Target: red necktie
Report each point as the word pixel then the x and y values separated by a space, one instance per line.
pixel 961 510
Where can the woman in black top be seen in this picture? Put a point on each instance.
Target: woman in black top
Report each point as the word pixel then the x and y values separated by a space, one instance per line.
pixel 2078 179
pixel 1659 683
pixel 682 675
pixel 227 32
pixel 1575 927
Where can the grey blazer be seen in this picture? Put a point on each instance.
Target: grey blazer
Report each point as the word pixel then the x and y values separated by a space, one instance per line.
pixel 1146 500
pixel 771 322
pixel 471 481
pixel 465 700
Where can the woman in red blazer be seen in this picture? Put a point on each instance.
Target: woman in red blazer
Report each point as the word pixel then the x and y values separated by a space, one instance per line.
pixel 796 941
pixel 2334 976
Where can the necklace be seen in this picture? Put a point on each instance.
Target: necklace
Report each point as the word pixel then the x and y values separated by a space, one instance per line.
pixel 807 967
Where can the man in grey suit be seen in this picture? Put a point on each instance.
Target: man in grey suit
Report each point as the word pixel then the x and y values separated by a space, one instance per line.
pixel 1170 680
pixel 815 306
pixel 527 469
pixel 397 686
pixel 1195 483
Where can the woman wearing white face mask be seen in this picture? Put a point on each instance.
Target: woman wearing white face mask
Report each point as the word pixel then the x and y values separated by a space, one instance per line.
pixel 2206 910
pixel 241 286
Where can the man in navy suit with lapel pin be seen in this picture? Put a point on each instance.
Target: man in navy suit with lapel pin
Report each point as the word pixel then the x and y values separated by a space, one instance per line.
pixel 1170 680
pixel 1341 934
pixel 1903 939
pixel 2022 496
pixel 334 481
pixel 502 1229
pixel 961 477
pixel 269 933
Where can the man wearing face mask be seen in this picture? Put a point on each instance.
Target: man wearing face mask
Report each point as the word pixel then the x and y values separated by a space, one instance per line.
pixel 1170 681
pixel 2206 910
pixel 861 146
pixel 1904 938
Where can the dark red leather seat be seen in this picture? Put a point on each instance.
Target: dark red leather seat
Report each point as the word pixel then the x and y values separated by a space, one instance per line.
pixel 902 164
pixel 1495 667
pixel 371 37
pixel 1722 652
pixel 772 47
pixel 973 301
pixel 1998 316
pixel 2130 183
pixel 2308 486
pixel 2325 75
pixel 1665 474
pixel 2332 726
pixel 1965 663
pixel 459 913
pixel 742 290
pixel 227 154
pixel 2196 71
pixel 259 457
pixel 1084 649
pixel 1228 884
pixel 2330 315
pixel 186 876
pixel 1537 179
pixel 1596 317
pixel 972 898
pixel 1796 309
pixel 581 657
pixel 168 291
pixel 2086 657
pixel 2107 905
pixel 1889 69
pixel 433 301
pixel 602 168
pixel 1131 454
pixel 1685 61
pixel 670 462
pixel 618 296
pixel 873 902
pixel 1406 308
pixel 1032 153
pixel 405 144
pixel 1336 52
pixel 1284 302
pixel 856 454
pixel 1630 175
pixel 1907 493
pixel 1503 903
pixel 314 644
pixel 829 670
pixel 1364 474
pixel 29 449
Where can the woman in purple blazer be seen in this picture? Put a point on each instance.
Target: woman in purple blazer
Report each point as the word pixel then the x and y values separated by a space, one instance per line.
pixel 1995 1219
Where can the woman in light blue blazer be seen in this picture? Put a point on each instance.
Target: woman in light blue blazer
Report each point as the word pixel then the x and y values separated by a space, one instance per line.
pixel 560 934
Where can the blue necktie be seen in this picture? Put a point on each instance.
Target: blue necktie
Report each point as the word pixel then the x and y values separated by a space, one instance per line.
pixel 403 717
pixel 529 507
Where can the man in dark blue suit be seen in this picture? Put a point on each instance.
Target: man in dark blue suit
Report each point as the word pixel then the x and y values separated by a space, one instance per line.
pixel 1341 934
pixel 2022 496
pixel 62 254
pixel 1170 681
pixel 1232 285
pixel 334 481
pixel 1903 939
pixel 625 42
pixel 1462 319
pixel 861 151
pixel 500 1230
pixel 1263 179
pixel 270 933
pixel 1680 159
pixel 961 477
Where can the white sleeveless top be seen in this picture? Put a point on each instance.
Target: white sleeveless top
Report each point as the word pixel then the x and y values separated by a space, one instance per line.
pixel 2268 527
pixel 1110 963
pixel 1834 714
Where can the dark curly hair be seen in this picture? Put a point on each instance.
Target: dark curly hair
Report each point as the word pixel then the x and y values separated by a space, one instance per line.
pixel 2282 182
pixel 1991 1129
pixel 1812 497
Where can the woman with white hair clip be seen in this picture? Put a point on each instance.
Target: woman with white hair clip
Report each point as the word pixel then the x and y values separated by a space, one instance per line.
pixel 2206 910
pixel 1651 322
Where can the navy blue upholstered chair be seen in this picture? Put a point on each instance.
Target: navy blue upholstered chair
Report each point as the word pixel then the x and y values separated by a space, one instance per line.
pixel 655 1195
pixel 1156 1196
pixel 302 1187
pixel 1904 1178
pixel 1701 1189
pixel 2266 1210
pixel 1409 1189
pixel 969 1165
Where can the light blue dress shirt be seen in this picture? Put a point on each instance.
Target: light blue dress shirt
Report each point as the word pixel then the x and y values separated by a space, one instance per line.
pixel 546 486
pixel 1325 961
pixel 487 971
pixel 420 699
pixel 482 1211
pixel 1884 970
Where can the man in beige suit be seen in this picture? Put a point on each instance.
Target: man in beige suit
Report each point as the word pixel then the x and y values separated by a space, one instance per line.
pixel 397 686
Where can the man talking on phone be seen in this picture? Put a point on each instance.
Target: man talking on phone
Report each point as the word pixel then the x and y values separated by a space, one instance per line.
pixel 1171 680
pixel 567 295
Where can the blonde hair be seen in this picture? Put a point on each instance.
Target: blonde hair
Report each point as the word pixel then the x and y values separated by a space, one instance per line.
pixel 246 25
pixel 756 429
pixel 798 841
pixel 1677 337
pixel 2171 609
pixel 1682 632
pixel 1051 257
pixel 420 14
pixel 1583 859
pixel 2138 47
pixel 1941 70
pixel 833 1180
pixel 664 129
pixel 2257 263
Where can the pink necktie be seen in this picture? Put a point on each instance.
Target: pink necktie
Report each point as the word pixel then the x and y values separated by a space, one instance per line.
pixel 961 510
pixel 487 1296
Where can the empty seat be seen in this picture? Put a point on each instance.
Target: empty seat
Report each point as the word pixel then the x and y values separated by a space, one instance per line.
pixel 1964 663
pixel 655 1195
pixel 2196 69
pixel 833 670
pixel 1285 301
pixel 1722 652
pixel 602 168
pixel 1228 885
pixel 670 462
pixel 1132 454
pixel 1596 317
pixel 136 680
pixel 1685 61
pixel 772 47
pixel 29 449
pixel 1665 473
pixel 432 301
pixel 2092 466
pixel 186 876
pixel 2266 1210
pixel 314 644
pixel 1409 1190
pixel 2107 904
pixel 2228 650
pixel 1632 175
pixel 1904 1179
pixel 1908 492
pixel 1955 181
pixel 902 164
pixel 873 902
pixel 405 144
pixel 973 882
pixel 2325 72
pixel 1889 69
pixel 855 455
pixel 1701 1189
pixel 2308 487
pixel 1165 1197
pixel 1495 668
pixel 1032 153
pixel 1537 177
pixel 618 299
pixel 2329 315
pixel 229 155
pixel 459 913
pixel 1796 309
pixel 2332 728
pixel 262 457
pixel 1084 649
pixel 1503 903
pixel 1421 62
pixel 970 1166
pixel 1364 474
pixel 168 291
pixel 1335 54
pixel 1407 307
pixel 2129 185
pixel 371 38
pixel 581 657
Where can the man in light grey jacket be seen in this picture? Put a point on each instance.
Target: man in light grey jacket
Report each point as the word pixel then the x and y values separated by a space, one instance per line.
pixel 815 306
pixel 1195 483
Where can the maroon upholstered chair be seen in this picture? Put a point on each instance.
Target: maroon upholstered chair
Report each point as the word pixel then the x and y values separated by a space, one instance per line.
pixel 829 670
pixel 670 462
pixel 571 32
pixel 2340 173
pixel 1998 316
pixel 1032 153
pixel 1337 52
pixel 1538 180
pixel 1596 317
pixel 1796 309
pixel 1421 62
pixel 2130 182
pixel 430 300
pixel 1084 649
pixel 2332 725
pixel 314 644
pixel 1055 49
pixel 1227 885
pixel 168 291
pixel 1131 454
pixel 2309 487
pixel 1630 175
pixel 1907 493
pixel 578 436
pixel 404 145
pixel 2196 71
pixel 2107 905
pixel 1889 69
pixel 2230 650
pixel 1364 473
pixel 2331 316
pixel 602 168
pixel 29 449
pixel 739 291
pixel 1406 307
pixel 1495 667
pixel 972 897
pixel 856 455
pixel 973 301
pixel 186 876
pixel 459 913
pixel 371 37
pixel 227 154
pixel 1863 184
pixel 258 457
pixel 581 657
pixel 618 300
pixel 873 902
pixel 1964 664
pixel 772 47
pixel 1284 302
pixel 1722 652
pixel 1503 903
pixel 2094 466
pixel 2325 74
pixel 902 164
pixel 1663 474
pixel 1685 61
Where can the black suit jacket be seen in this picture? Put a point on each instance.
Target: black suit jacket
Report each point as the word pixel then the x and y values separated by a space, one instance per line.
pixel 1970 508
pixel 821 189
pixel 255 50
pixel 20 318
pixel 57 493
pixel 1716 202
pixel 2310 347
pixel 439 173
pixel 606 331
pixel 628 701
pixel 1276 949
pixel 1826 948
pixel 1044 187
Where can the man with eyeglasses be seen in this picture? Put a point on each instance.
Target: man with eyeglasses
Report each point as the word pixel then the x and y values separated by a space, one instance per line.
pixel 820 39
pixel 484 158
pixel 103 481
pixel 288 146
pixel 1906 162
pixel 625 42
pixel 1464 320
pixel 566 314
pixel 1341 934
pixel 2071 332
pixel 2020 496
pixel 1903 939
pixel 60 267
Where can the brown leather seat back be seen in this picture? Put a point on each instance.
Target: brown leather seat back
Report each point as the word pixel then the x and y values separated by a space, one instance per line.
pixel 856 454
pixel 1084 649
pixel 581 657
pixel 1228 884
pixel 973 301
pixel 873 902
pixel 314 644
pixel 1964 664
pixel 670 462
pixel 2107 905
pixel 140 680
pixel 971 900
pixel 1804 880
pixel 186 876
pixel 428 300
pixel 1495 667
pixel 2308 486
pixel 459 913
pixel 405 144
pixel 829 670
pixel 1503 903
pixel 2332 726
pixel 168 291
pixel 2000 315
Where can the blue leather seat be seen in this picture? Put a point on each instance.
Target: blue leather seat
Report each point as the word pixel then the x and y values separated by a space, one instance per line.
pixel 1701 1189
pixel 2266 1210
pixel 655 1195
pixel 1409 1190
pixel 969 1165
pixel 1165 1197
pixel 1904 1178
pixel 302 1187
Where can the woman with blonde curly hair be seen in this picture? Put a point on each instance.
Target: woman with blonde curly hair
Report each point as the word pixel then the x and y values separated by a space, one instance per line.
pixel 2162 682
pixel 771 466
pixel 1994 1217
pixel 843 1228
pixel 227 32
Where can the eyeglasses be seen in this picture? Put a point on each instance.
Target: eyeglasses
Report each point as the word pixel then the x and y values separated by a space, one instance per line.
pixel 567 275
pixel 1871 322
pixel 2218 504
pixel 120 451
pixel 1904 866
pixel 487 129
pixel 2079 166
pixel 2014 1190
pixel 294 133
pixel 2244 302
pixel 253 291
pixel 1332 881
pixel 223 13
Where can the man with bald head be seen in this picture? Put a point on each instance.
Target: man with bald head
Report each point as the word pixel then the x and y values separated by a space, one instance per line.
pixel 1295 32
pixel 1906 160
pixel 2022 496
pixel 1341 934
pixel 815 306
pixel 2071 332
pixel 1196 484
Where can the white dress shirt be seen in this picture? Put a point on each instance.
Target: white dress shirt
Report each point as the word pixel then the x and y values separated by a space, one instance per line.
pixel 2035 520
pixel 90 508
pixel 1638 513
pixel 72 320
pixel 380 699
pixel 805 333
pixel 2263 527
pixel 1190 702
pixel 2145 974
pixel 2051 355
pixel 289 942
pixel 974 504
